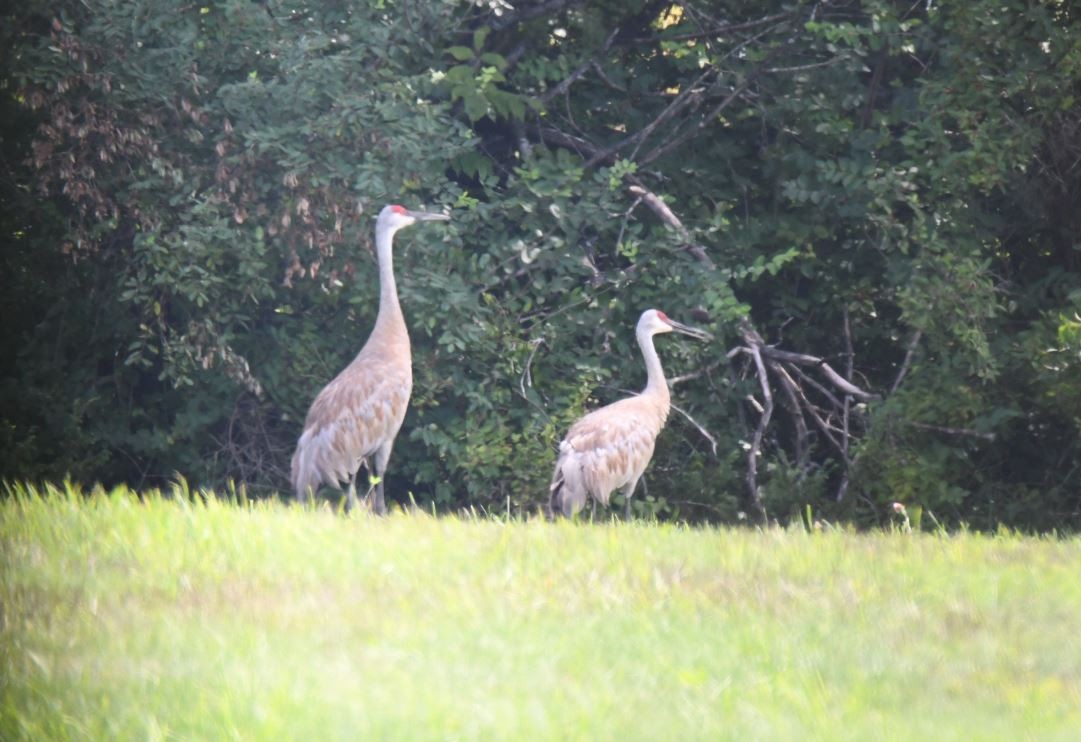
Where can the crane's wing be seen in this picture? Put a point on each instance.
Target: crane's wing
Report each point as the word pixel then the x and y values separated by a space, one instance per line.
pixel 354 415
pixel 606 449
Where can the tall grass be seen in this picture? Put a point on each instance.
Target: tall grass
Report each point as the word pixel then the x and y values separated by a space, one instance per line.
pixel 189 617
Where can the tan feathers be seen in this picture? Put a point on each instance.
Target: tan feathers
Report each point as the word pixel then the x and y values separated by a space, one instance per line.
pixel 610 448
pixel 356 413
pixel 356 417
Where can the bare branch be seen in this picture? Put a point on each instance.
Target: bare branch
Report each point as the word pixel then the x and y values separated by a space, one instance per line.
pixel 583 147
pixel 909 353
pixel 849 363
pixel 760 430
pixel 526 379
pixel 807 360
pixel 804 67
pixel 818 387
pixel 717 31
pixel 953 431
pixel 705 433
pixel 607 80
pixel 660 208
pixel 849 354
pixel 565 85
pixel 827 429
pixel 530 12
pixel 790 389
pixel 685 97
pixel 693 374
pixel 678 141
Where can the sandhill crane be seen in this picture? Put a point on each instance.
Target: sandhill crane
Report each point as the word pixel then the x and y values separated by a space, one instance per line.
pixel 355 418
pixel 610 448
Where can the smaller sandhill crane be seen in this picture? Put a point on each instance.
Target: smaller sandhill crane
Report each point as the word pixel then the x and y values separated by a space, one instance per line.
pixel 356 417
pixel 609 448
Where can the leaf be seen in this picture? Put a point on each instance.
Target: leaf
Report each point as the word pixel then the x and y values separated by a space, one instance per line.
pixel 461 53
pixel 494 60
pixel 479 37
pixel 476 106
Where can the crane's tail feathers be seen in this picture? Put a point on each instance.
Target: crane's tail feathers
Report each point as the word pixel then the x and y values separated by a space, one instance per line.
pixel 568 491
pixel 555 499
pixel 305 476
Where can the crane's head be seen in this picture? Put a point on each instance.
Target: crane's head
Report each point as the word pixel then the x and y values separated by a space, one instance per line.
pixel 654 321
pixel 393 217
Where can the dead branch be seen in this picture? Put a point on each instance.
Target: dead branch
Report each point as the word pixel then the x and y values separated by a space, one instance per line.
pixel 720 30
pixel 953 431
pixel 530 12
pixel 678 141
pixel 685 98
pixel 804 359
pixel 849 364
pixel 808 360
pixel 705 433
pixel 574 76
pixel 788 386
pixel 909 353
pixel 693 374
pixel 816 415
pixel 660 208
pixel 763 422
pixel 816 386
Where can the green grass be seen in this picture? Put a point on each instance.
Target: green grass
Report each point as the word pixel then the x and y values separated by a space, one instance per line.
pixel 160 619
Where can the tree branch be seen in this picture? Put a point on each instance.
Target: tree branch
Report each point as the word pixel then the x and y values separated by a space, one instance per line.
pixel 791 392
pixel 754 342
pixel 683 99
pixel 531 12
pixel 660 208
pixel 705 433
pixel 807 360
pixel 565 84
pixel 953 431
pixel 909 353
pixel 717 31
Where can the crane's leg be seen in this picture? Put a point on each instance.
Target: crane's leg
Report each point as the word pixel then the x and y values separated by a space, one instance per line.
pixel 351 493
pixel 382 456
pixel 628 490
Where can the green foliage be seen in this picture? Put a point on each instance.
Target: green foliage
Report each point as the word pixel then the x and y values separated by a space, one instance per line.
pixel 190 196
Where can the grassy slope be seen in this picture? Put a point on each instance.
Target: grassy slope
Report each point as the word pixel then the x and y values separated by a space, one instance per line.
pixel 127 619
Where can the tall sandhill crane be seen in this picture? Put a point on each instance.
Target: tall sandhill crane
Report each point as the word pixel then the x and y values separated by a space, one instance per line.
pixel 355 418
pixel 610 448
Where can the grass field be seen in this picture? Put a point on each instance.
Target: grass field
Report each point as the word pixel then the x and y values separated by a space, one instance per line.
pixel 160 619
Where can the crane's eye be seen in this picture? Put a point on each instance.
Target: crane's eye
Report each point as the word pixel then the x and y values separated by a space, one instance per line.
pixel 397 209
pixel 663 317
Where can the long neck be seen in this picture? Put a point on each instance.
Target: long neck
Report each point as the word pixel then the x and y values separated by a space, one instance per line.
pixel 390 312
pixel 655 383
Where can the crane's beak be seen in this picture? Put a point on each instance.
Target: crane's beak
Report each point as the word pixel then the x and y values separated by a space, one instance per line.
pixel 693 332
pixel 427 216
